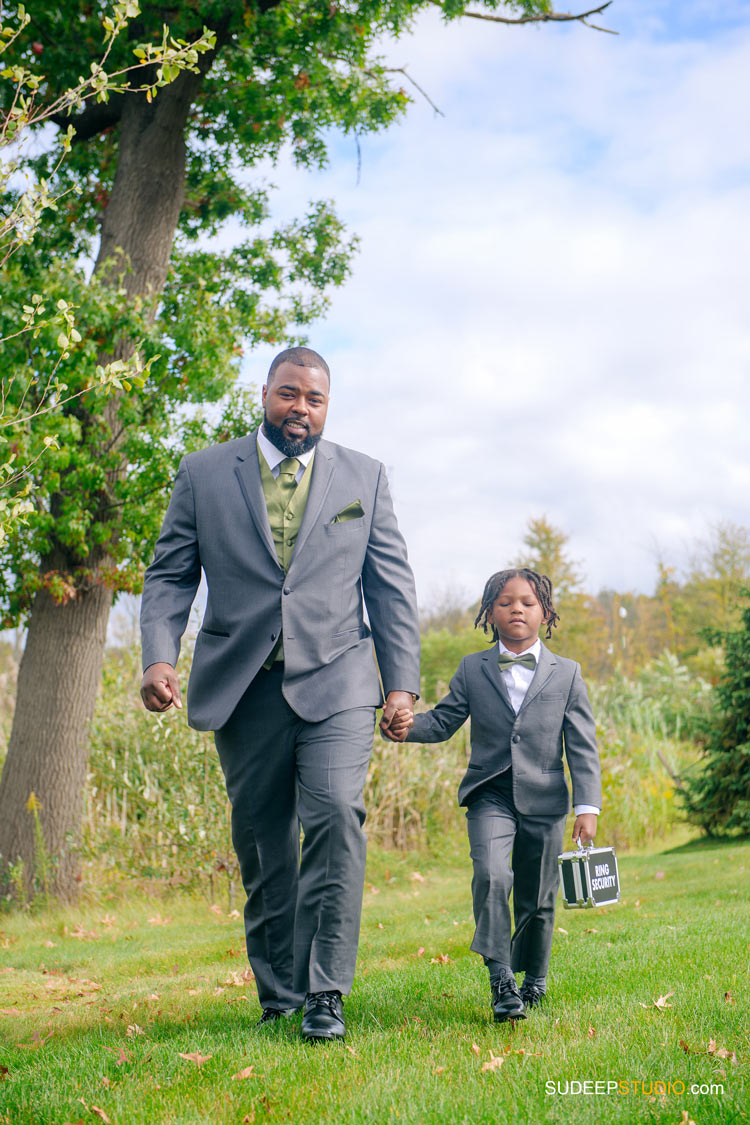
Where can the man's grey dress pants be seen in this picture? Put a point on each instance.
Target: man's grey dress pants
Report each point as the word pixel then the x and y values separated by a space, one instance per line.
pixel 302 914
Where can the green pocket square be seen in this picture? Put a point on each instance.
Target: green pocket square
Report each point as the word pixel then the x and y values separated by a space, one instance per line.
pixel 353 511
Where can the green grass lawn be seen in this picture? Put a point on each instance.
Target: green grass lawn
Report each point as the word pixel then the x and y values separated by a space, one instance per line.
pixel 100 1004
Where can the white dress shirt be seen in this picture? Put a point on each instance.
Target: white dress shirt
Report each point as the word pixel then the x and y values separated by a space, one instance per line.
pixel 517 680
pixel 273 456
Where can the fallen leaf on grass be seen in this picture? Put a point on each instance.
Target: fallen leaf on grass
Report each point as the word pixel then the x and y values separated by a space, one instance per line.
pixel 239 980
pixel 420 951
pixel 246 1072
pixel 686 1119
pixel 80 932
pixel 108 920
pixel 684 1046
pixel 441 959
pixel 233 914
pixel 591 1032
pixel 4 1072
pixel 10 1012
pixel 351 1051
pixel 100 1113
pixel 439 1070
pixel 660 1002
pixel 494 1062
pixel 195 1057
pixel 417 877
pixel 37 1040
pixel 157 920
pixel 216 910
pixel 373 889
pixel 591 930
pixel 123 1056
pixel 134 1029
pixel 560 930
pixel 50 945
pixel 475 1049
pixel 658 875
pixel 721 1052
pixel 728 998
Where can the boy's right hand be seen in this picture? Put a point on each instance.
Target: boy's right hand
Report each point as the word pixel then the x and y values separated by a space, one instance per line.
pixel 400 725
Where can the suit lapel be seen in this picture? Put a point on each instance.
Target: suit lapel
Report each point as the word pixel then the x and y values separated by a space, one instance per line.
pixel 544 669
pixel 493 674
pixel 322 475
pixel 248 473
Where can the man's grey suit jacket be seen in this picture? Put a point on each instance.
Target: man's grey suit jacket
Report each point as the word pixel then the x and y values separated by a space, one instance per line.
pixel 555 715
pixel 217 521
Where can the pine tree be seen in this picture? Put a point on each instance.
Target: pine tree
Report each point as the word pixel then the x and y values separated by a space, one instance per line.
pixel 717 794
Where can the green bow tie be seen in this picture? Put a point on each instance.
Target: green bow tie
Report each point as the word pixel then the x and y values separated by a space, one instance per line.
pixel 528 660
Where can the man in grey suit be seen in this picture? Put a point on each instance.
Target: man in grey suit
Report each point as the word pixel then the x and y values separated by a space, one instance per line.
pixel 292 533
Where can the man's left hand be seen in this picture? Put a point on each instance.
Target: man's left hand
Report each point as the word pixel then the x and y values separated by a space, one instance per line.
pixel 396 701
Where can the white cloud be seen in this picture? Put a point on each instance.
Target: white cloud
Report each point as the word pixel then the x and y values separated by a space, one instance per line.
pixel 548 314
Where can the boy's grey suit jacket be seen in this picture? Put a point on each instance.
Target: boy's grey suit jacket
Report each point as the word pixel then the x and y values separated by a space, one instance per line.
pixel 555 714
pixel 217 521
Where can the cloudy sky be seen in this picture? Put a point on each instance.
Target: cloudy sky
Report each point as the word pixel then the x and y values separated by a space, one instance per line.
pixel 548 312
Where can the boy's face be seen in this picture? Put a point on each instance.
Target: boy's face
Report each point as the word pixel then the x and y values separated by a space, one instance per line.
pixel 517 615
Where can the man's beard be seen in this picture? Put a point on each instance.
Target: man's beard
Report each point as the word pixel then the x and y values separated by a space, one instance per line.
pixel 285 445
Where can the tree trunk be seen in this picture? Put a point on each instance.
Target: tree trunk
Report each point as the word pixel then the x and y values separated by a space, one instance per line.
pixel 48 749
pixel 61 666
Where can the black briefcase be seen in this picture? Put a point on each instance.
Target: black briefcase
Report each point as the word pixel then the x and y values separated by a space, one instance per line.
pixel 589 877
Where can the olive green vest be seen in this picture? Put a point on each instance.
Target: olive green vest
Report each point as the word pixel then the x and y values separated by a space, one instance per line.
pixel 285 520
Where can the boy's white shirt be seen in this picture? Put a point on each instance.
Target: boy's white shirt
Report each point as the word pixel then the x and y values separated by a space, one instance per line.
pixel 517 680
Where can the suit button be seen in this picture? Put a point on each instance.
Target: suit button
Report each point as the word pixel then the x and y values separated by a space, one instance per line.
pixel 516 738
pixel 287 515
pixel 287 589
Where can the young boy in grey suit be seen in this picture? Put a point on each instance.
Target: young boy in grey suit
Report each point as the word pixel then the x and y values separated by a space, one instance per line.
pixel 527 706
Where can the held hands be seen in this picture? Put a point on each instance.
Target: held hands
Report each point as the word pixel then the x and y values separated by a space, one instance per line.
pixel 398 715
pixel 160 688
pixel 584 828
pixel 401 724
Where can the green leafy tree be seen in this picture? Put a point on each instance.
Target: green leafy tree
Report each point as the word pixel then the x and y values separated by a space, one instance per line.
pixel 150 174
pixel 717 793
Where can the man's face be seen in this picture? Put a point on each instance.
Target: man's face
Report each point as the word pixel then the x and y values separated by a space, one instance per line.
pixel 295 404
pixel 517 615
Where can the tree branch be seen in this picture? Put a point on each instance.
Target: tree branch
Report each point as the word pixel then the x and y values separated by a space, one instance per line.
pixel 95 118
pixel 415 84
pixel 548 17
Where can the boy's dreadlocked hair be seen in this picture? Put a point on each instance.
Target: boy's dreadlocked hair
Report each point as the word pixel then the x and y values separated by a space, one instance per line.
pixel 541 586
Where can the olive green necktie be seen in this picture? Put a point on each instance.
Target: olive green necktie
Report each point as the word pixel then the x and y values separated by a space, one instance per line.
pixel 528 660
pixel 287 478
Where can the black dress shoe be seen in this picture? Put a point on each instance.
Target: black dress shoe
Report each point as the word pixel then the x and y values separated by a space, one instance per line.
pixel 324 1016
pixel 531 995
pixel 273 1015
pixel 506 1000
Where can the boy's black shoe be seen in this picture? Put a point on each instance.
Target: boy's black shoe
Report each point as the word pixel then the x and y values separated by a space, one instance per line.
pixel 324 1016
pixel 506 1000
pixel 531 995
pixel 273 1015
